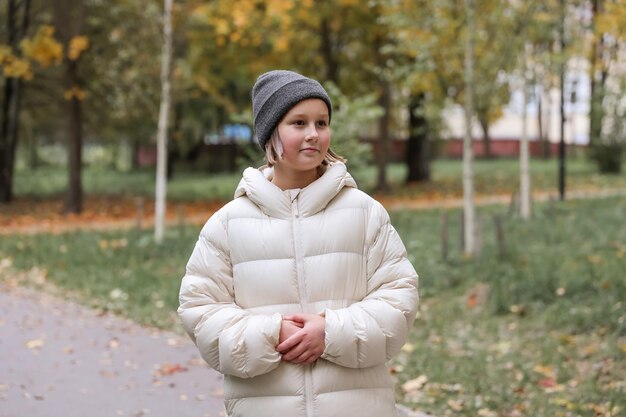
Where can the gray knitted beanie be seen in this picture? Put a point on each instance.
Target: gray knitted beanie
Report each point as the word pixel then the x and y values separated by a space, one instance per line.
pixel 275 93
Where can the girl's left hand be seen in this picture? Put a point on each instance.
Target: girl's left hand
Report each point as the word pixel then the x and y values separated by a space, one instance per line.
pixel 307 344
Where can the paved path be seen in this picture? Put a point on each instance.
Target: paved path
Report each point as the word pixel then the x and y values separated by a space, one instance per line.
pixel 60 359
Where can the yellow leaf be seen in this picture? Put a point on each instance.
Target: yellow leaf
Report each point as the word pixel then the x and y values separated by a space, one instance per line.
pixel 545 370
pixel 43 48
pixel 408 347
pixel 17 68
pixel 74 92
pixel 6 53
pixel 77 45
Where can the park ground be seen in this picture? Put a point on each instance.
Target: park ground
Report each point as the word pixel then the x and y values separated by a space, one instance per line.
pixel 533 325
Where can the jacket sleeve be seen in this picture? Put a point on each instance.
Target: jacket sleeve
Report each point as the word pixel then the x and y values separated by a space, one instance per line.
pixel 230 339
pixel 373 330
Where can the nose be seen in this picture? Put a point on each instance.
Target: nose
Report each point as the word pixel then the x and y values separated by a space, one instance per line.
pixel 311 133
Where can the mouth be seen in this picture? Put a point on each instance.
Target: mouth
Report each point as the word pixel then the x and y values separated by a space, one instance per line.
pixel 309 150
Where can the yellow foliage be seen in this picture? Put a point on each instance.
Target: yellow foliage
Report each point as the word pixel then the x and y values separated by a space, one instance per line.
pixel 77 45
pixel 75 92
pixel 281 44
pixel 17 68
pixel 613 19
pixel 279 8
pixel 43 48
pixel 222 27
pixel 201 12
pixel 6 53
pixel 235 37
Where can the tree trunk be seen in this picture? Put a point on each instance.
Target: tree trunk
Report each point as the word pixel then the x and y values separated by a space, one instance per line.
pixel 161 180
pixel 382 184
pixel 384 101
pixel 524 158
pixel 468 157
pixel 484 125
pixel 541 131
pixel 418 145
pixel 597 83
pixel 74 202
pixel 327 51
pixel 6 163
pixel 9 128
pixel 69 19
pixel 561 177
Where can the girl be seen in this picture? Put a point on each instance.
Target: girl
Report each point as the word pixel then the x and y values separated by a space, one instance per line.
pixel 299 290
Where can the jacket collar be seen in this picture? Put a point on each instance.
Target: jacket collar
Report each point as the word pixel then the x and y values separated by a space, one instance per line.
pixel 257 186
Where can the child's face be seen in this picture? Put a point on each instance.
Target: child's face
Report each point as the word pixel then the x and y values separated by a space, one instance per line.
pixel 305 135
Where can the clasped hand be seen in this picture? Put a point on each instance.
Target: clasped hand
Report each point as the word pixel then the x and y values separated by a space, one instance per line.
pixel 302 338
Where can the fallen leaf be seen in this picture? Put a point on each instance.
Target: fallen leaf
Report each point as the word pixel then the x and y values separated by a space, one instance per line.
pixel 169 369
pixel 114 343
pixel 518 309
pixel 456 405
pixel 547 383
pixel 589 350
pixel 408 347
pixel 545 370
pixel 415 384
pixel 485 412
pixel 472 300
pixel 477 296
pixel 35 343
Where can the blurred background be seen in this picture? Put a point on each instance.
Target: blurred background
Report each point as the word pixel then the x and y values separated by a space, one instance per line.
pixel 526 319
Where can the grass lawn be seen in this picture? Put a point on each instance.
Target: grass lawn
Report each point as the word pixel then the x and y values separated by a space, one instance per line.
pixel 539 331
pixel 494 176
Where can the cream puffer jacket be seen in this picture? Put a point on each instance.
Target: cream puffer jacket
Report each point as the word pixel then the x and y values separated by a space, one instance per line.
pixel 325 249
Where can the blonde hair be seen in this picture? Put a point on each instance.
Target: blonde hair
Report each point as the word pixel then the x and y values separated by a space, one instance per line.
pixel 274 152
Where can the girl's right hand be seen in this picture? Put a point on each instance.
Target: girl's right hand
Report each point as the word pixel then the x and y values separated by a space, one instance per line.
pixel 288 328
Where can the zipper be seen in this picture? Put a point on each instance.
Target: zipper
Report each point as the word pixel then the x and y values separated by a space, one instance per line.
pixel 308 377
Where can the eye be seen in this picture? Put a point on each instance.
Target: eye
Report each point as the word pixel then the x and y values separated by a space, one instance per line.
pixel 299 122
pixel 322 123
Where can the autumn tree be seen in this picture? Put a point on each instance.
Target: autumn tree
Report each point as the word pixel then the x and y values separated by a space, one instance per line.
pixel 608 29
pixel 338 41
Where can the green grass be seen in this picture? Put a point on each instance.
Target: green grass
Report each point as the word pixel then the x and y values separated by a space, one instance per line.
pixel 494 176
pixel 545 337
pixel 548 337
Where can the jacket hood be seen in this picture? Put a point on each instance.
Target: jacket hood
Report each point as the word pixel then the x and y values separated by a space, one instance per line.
pixel 257 186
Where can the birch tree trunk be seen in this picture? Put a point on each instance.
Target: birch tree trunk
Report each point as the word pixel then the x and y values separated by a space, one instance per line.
pixel 161 174
pixel 523 151
pixel 468 157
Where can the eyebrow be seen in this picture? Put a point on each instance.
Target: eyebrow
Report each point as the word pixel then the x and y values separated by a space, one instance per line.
pixel 304 115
